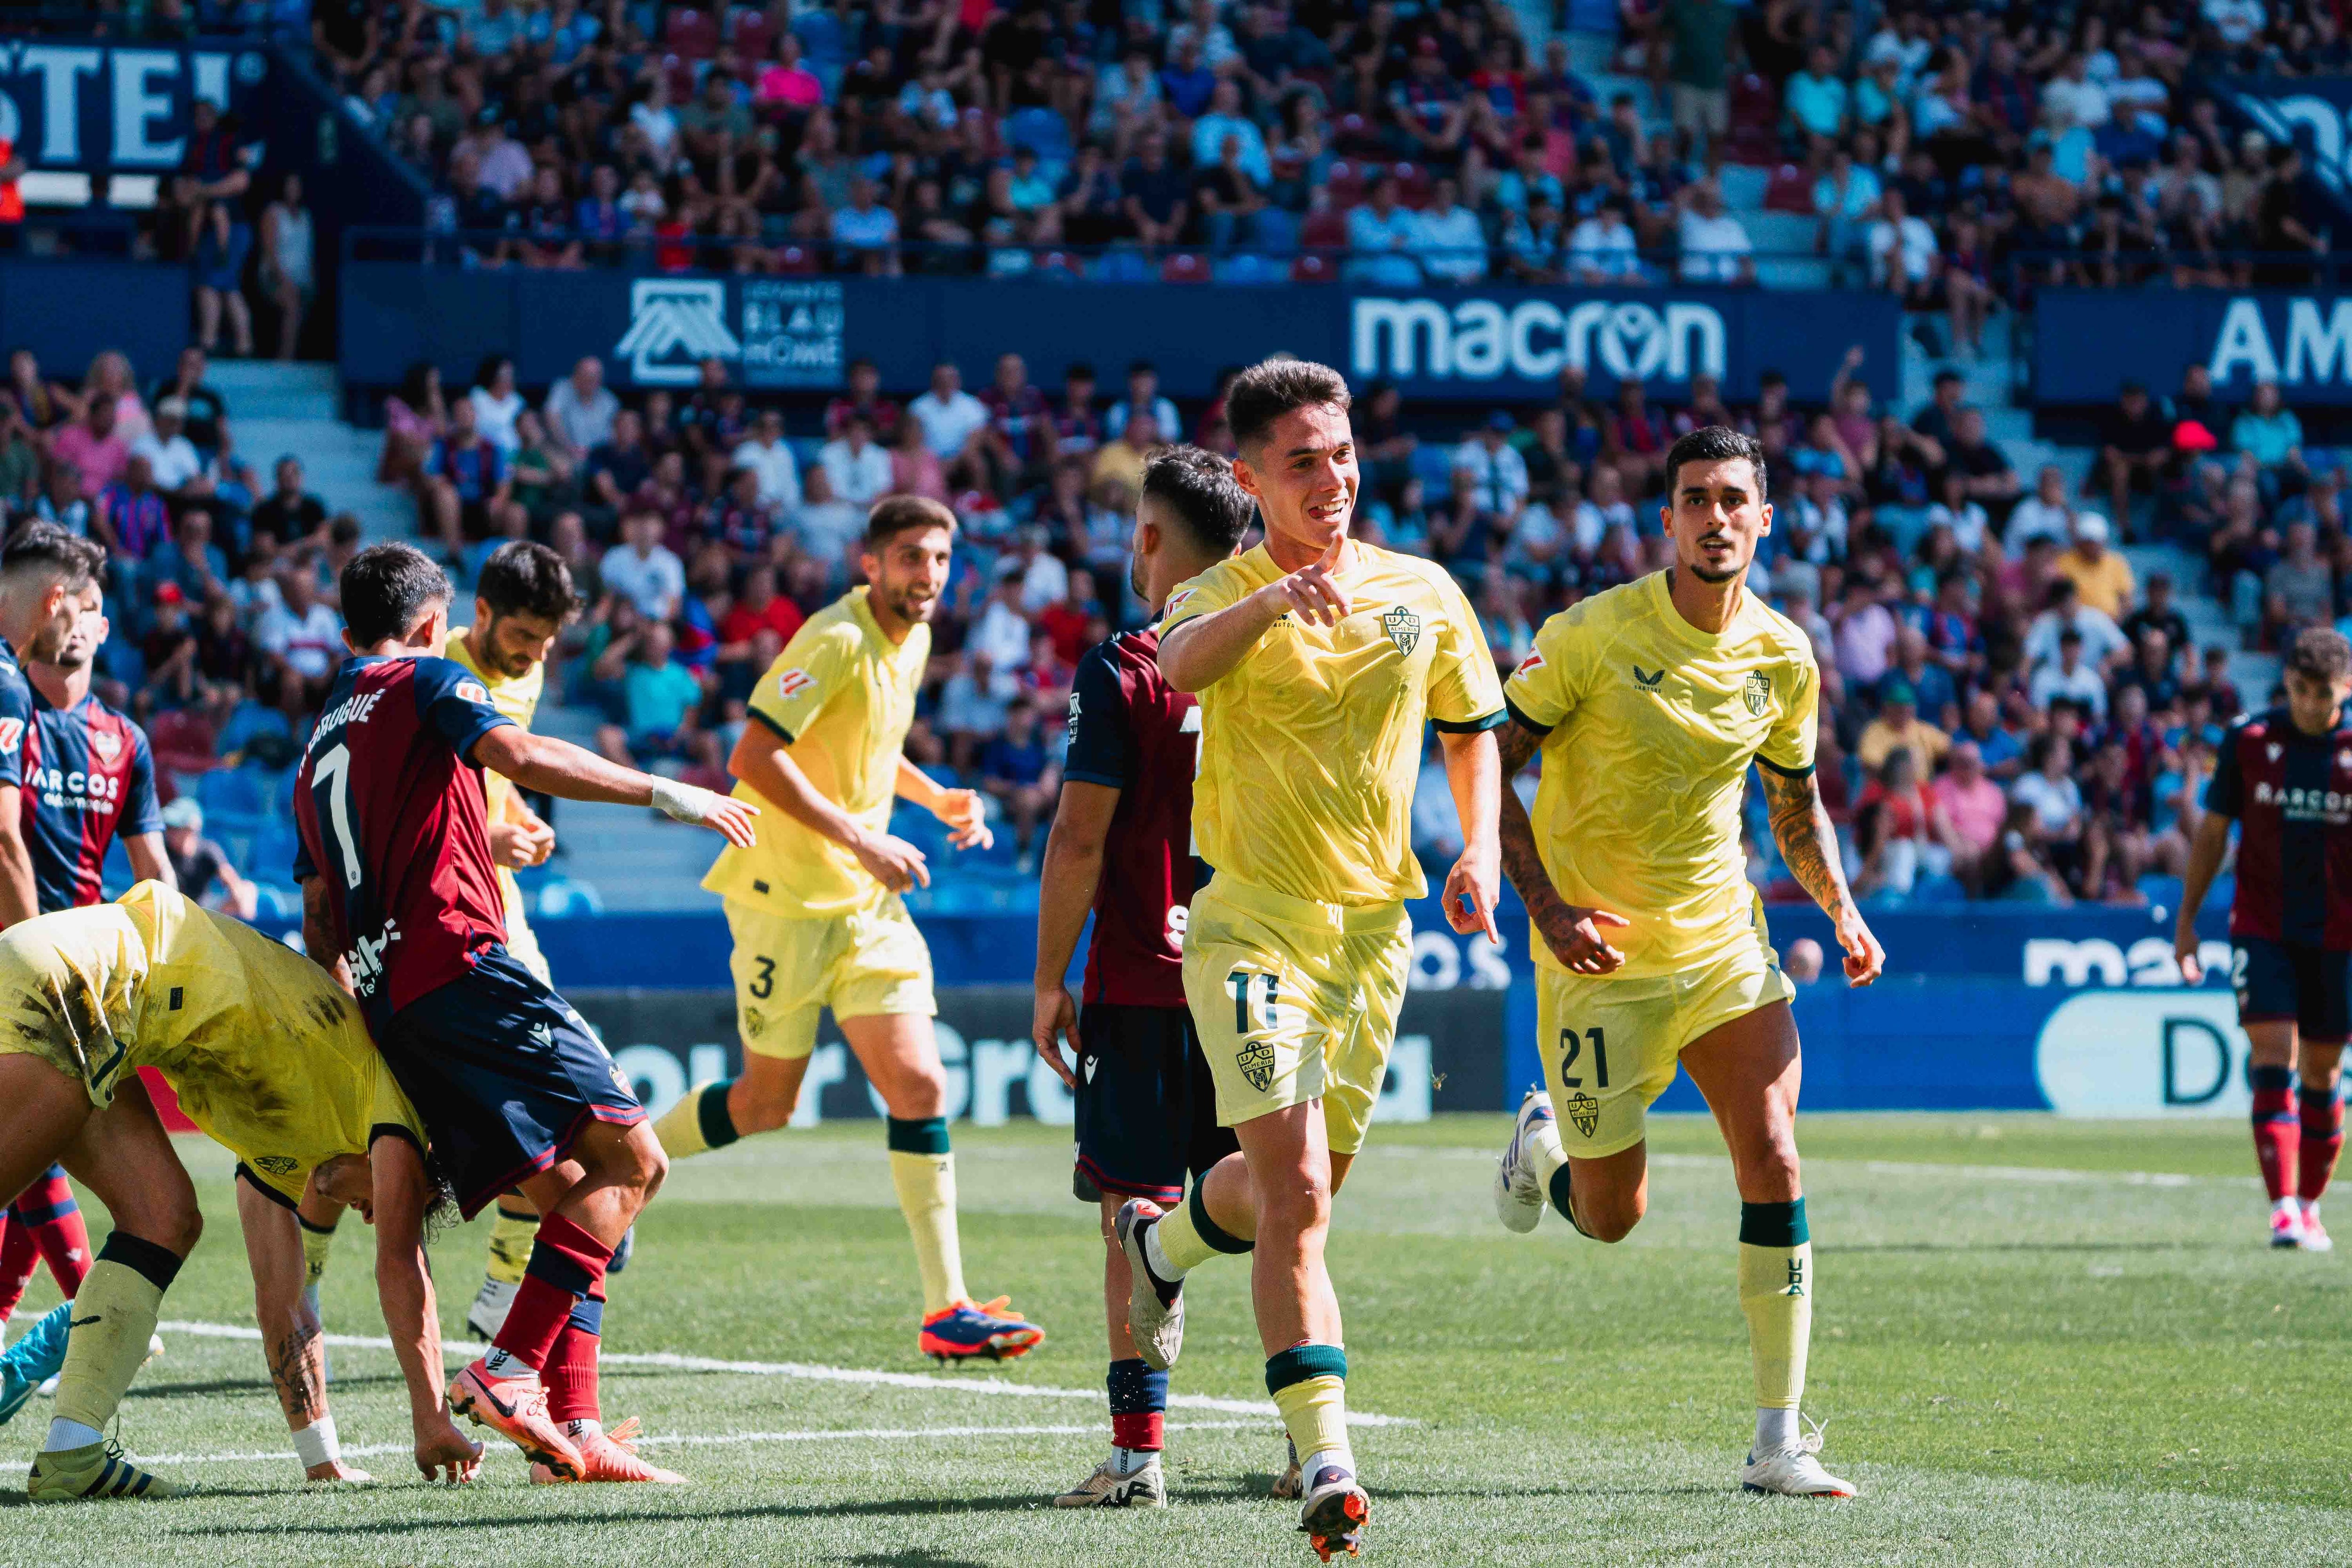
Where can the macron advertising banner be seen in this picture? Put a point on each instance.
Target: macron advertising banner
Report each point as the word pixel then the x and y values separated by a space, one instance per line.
pixel 1473 346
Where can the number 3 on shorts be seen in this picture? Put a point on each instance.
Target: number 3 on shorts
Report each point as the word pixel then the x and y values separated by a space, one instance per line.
pixel 1572 1046
pixel 763 984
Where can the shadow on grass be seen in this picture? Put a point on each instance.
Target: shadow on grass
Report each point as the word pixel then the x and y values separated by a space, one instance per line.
pixel 247 1386
pixel 1852 1249
pixel 887 1507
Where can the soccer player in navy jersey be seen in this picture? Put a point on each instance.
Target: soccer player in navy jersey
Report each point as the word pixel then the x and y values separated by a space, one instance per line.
pixel 87 778
pixel 2284 777
pixel 1121 847
pixel 400 898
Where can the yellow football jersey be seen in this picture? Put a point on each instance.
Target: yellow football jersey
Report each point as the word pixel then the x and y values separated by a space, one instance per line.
pixel 516 697
pixel 1649 726
pixel 265 1051
pixel 1310 745
pixel 841 695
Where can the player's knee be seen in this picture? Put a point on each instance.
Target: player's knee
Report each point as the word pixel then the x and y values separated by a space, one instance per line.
pixel 755 1110
pixel 919 1093
pixel 1610 1221
pixel 1299 1203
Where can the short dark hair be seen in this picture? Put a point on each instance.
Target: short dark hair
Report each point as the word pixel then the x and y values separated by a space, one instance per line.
pixel 1715 443
pixel 893 515
pixel 45 547
pixel 523 577
pixel 1272 388
pixel 1197 487
pixel 386 588
pixel 2320 652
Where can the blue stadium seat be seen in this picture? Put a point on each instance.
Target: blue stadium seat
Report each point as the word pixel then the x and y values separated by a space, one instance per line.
pixel 1432 465
pixel 233 794
pixel 1935 889
pixel 2161 890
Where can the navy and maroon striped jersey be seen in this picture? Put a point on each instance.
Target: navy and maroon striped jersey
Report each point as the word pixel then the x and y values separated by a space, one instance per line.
pixel 1132 731
pixel 389 805
pixel 15 717
pixel 88 776
pixel 2291 795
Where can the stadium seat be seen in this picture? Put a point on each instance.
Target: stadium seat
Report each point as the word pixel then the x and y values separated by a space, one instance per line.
pixel 752 37
pixel 1356 134
pixel 1432 465
pixel 797 260
pixel 235 793
pixel 1791 190
pixel 183 742
pixel 1310 267
pixel 1059 266
pixel 1755 121
pixel 678 72
pixel 1184 266
pixel 693 33
pixel 1323 231
pixel 1415 184
pixel 1042 130
pixel 1345 182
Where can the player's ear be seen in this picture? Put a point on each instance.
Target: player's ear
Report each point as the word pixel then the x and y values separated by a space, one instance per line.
pixel 1765 510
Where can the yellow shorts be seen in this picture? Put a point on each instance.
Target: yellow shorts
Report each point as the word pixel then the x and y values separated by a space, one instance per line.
pixel 1295 1001
pixel 788 969
pixel 522 944
pixel 1609 1045
pixel 49 1008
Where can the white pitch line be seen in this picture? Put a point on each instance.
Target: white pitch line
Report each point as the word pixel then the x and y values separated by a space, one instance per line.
pixel 707 1440
pixel 2055 1175
pixel 672 1362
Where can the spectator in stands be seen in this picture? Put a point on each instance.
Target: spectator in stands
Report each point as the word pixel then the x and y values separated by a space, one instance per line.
pixel 659 699
pixel 856 472
pixel 1450 243
pixel 1602 248
pixel 1895 829
pixel 865 233
pixel 616 469
pixel 2048 788
pixel 1017 773
pixel 1122 456
pixel 2046 513
pixel 1715 244
pixel 1988 475
pixel 580 410
pixel 1898 728
pixel 1866 634
pixel 2002 753
pixel 2064 610
pixel 1967 810
pixel 202 867
pixel 93 444
pixel 2101 576
pixel 301 638
pixel 2267 431
pixel 770 457
pixel 131 517
pixel 190 559
pixel 864 396
pixel 1381 237
pixel 2069 680
pixel 174 464
pixel 2299 589
pixel 465 481
pixel 954 423
pixel 1497 473
pixel 289 513
pixel 643 570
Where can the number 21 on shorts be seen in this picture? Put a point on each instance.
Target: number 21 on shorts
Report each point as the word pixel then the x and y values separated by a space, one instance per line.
pixel 1571 1048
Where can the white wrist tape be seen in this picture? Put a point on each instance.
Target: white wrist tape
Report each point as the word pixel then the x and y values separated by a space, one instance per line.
pixel 682 802
pixel 316 1444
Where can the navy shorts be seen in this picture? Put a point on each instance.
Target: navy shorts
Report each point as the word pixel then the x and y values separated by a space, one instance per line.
pixel 2282 981
pixel 505 1074
pixel 1147 1111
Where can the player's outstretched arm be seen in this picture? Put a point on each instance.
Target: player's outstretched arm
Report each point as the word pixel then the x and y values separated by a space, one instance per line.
pixel 291 1339
pixel 2206 852
pixel 19 898
pixel 403 1282
pixel 149 862
pixel 1202 651
pixel 572 773
pixel 762 760
pixel 1807 841
pixel 1067 880
pixel 1573 934
pixel 964 811
pixel 1474 884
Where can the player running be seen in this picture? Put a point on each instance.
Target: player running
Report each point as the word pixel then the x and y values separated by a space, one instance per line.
pixel 1121 845
pixel 815 912
pixel 1648 703
pixel 397 880
pixel 268 1056
pixel 2284 777
pixel 1317 660
pixel 88 777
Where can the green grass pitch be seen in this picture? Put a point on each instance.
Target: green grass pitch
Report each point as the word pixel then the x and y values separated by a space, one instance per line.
pixel 2036 1341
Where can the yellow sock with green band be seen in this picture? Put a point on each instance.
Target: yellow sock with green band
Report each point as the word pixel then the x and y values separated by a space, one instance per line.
pixel 1310 1384
pixel 698 1122
pixel 113 1318
pixel 510 1241
pixel 1776 1293
pixel 922 1169
pixel 318 1245
pixel 1186 1237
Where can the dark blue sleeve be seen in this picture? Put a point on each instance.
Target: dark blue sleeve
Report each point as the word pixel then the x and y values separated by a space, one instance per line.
pixel 15 723
pixel 2226 792
pixel 141 812
pixel 304 869
pixel 1102 742
pixel 451 700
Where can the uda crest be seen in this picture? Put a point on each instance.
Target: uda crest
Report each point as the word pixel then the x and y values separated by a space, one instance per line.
pixel 1758 691
pixel 277 1164
pixel 1256 1062
pixel 1403 629
pixel 1585 1111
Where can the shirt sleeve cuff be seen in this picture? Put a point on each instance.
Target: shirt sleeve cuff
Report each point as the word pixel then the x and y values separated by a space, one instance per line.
pixel 1087 776
pixel 1804 773
pixel 777 729
pixel 1519 716
pixel 1494 721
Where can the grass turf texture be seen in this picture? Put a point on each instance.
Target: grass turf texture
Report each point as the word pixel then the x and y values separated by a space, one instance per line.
pixel 2028 1351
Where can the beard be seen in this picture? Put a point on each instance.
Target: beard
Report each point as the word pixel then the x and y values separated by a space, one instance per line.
pixel 1135 577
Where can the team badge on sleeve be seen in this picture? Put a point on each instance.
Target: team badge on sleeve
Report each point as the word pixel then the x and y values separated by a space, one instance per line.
pixel 12 733
pixel 1758 692
pixel 1403 627
pixel 1176 601
pixel 793 682
pixel 471 691
pixel 1529 665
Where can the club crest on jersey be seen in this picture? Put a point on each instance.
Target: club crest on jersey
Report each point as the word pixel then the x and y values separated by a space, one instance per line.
pixel 793 682
pixel 2273 749
pixel 1757 691
pixel 1403 627
pixel 1256 1062
pixel 1647 681
pixel 277 1165
pixel 543 1037
pixel 105 743
pixel 472 691
pixel 1584 1111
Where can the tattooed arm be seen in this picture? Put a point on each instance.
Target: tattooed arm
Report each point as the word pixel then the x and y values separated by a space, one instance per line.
pixel 291 1340
pixel 1808 842
pixel 1572 933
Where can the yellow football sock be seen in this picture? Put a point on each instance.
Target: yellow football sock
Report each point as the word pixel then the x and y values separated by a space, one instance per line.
pixel 1776 1293
pixel 317 1245
pixel 1310 1384
pixel 698 1122
pixel 922 1169
pixel 1181 1241
pixel 113 1317
pixel 510 1240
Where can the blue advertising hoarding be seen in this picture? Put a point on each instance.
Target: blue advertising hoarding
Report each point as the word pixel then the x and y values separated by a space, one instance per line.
pixel 91 107
pixel 2088 342
pixel 1481 345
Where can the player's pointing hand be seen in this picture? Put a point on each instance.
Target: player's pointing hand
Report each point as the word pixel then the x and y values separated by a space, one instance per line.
pixel 1311 593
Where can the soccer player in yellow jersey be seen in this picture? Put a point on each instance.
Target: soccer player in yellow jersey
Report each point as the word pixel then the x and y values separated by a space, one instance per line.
pixel 814 908
pixel 270 1057
pixel 1647 703
pixel 1317 661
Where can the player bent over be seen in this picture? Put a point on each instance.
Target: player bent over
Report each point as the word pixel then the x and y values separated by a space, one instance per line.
pixel 271 1060
pixel 2281 778
pixel 398 881
pixel 814 908
pixel 1648 703
pixel 1317 660
pixel 1122 845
